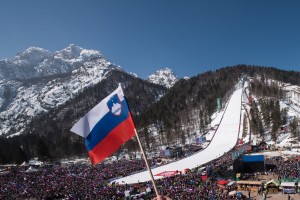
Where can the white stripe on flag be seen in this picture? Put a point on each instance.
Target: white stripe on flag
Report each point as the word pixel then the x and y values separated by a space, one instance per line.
pixel 84 126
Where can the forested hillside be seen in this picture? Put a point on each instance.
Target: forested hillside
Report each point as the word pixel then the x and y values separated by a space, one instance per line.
pixel 267 116
pixel 175 113
pixel 189 104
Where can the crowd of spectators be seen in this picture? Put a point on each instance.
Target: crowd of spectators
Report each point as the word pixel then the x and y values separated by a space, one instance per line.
pixel 69 182
pixel 286 168
pixel 83 181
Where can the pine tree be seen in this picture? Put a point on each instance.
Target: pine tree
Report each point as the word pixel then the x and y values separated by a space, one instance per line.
pixel 284 115
pixel 20 156
pixel 294 127
pixel 274 134
pixel 275 115
pixel 42 150
pixel 261 128
pixel 245 125
pixel 201 121
pixel 265 112
pixel 183 138
pixel 253 122
pixel 147 138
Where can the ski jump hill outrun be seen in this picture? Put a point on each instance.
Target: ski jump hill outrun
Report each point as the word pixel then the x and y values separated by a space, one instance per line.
pixel 224 140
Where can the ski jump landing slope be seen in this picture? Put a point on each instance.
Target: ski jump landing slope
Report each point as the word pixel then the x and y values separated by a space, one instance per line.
pixel 224 140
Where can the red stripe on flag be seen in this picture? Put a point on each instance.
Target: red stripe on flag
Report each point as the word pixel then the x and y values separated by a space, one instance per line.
pixel 112 142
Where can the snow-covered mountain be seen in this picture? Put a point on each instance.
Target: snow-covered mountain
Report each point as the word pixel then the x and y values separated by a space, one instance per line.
pixel 37 62
pixel 37 80
pixel 165 77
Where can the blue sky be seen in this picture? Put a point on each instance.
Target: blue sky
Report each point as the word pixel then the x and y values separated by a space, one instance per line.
pixel 143 36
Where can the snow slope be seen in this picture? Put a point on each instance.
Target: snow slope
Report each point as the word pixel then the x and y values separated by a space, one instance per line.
pixel 225 139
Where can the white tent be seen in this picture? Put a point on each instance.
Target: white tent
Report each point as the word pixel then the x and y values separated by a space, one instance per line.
pixel 231 183
pixel 24 164
pixel 35 162
pixel 288 184
pixel 31 169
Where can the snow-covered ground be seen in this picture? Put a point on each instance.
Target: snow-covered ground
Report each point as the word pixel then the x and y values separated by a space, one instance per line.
pixel 223 140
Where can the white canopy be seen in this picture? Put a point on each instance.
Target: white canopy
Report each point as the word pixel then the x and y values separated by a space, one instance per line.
pixel 24 164
pixel 288 184
pixel 231 183
pixel 31 169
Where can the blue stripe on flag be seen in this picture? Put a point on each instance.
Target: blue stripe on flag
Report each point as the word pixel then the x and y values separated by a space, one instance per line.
pixel 107 123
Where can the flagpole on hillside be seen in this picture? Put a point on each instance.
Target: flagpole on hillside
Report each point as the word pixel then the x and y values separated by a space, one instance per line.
pixel 146 161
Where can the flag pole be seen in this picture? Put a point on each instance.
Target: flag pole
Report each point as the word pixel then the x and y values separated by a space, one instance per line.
pixel 142 149
pixel 146 161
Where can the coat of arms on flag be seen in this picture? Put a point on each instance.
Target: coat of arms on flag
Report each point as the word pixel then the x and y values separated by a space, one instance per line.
pixel 114 105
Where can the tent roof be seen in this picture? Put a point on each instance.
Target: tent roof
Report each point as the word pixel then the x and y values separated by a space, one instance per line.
pixel 222 182
pixel 24 164
pixel 287 184
pixel 231 183
pixel 250 182
pixel 290 180
pixel 277 183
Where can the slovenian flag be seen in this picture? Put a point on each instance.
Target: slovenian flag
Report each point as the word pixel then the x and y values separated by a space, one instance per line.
pixel 106 127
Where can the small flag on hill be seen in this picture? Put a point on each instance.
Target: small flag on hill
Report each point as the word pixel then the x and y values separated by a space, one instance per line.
pixel 106 127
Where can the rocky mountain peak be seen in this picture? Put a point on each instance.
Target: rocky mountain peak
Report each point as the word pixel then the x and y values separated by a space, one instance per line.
pixel 165 77
pixel 32 55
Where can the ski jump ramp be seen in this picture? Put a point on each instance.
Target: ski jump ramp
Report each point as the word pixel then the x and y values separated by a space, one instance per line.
pixel 224 140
